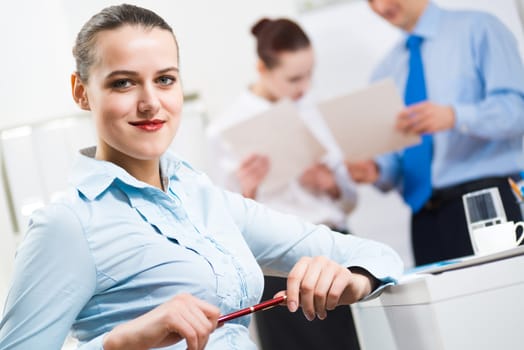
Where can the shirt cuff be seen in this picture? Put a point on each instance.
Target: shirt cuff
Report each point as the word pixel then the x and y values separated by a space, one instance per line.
pixel 378 290
pixel 382 282
pixel 387 172
pixel 94 344
pixel 465 116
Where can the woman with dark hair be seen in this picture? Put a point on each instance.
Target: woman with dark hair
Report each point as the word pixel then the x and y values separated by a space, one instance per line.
pixel 144 251
pixel 323 194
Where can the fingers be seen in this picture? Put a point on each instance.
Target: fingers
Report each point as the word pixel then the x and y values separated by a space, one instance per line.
pixel 322 288
pixel 251 172
pixel 361 283
pixel 425 118
pixel 330 285
pixel 319 179
pixel 254 160
pixel 338 287
pixel 195 327
pixel 279 294
pixel 410 119
pixel 182 317
pixel 309 175
pixel 254 166
pixel 308 292
pixel 182 327
pixel 192 319
pixel 294 280
pixel 316 284
pixel 363 171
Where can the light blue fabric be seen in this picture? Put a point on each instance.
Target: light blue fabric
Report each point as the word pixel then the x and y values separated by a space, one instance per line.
pixel 471 62
pixel 114 248
pixel 416 160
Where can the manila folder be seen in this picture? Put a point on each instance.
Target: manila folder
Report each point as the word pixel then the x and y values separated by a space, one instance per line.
pixel 280 134
pixel 362 122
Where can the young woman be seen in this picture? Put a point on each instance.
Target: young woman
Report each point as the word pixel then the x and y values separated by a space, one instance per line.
pixel 144 252
pixel 323 194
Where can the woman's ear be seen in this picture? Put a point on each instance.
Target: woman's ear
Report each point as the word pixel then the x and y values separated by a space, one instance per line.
pixel 79 92
pixel 261 67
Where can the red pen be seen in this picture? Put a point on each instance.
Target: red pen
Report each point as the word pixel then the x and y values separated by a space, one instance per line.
pixel 249 310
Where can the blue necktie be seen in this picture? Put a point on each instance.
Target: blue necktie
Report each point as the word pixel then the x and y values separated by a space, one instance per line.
pixel 416 160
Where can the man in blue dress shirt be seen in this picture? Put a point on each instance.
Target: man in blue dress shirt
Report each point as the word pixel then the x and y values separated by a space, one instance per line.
pixel 470 109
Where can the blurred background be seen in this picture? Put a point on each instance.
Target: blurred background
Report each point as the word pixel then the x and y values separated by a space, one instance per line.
pixel 41 128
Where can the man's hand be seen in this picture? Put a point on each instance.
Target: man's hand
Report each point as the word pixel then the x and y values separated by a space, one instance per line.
pixel 425 118
pixel 366 171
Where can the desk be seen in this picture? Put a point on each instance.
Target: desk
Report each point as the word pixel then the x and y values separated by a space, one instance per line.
pixel 474 304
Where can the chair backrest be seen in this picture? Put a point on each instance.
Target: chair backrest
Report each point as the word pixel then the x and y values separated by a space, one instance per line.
pixel 34 163
pixel 190 140
pixel 37 159
pixel 7 241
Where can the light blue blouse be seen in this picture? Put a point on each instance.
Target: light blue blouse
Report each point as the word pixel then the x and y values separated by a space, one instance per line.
pixel 115 248
pixel 472 63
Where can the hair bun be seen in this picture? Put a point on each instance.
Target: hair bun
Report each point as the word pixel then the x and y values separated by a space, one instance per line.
pixel 257 27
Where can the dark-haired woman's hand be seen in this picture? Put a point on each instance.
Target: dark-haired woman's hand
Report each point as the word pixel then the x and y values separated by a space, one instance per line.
pixel 252 171
pixel 318 178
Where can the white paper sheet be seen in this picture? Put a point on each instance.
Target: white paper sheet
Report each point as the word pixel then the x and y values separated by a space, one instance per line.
pixel 280 134
pixel 362 122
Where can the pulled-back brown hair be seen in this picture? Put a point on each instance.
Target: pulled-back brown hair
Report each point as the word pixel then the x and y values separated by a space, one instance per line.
pixel 111 17
pixel 276 36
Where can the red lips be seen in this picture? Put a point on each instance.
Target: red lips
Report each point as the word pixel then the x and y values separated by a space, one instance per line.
pixel 149 125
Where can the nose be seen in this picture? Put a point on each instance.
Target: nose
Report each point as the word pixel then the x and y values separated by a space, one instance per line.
pixel 302 88
pixel 148 103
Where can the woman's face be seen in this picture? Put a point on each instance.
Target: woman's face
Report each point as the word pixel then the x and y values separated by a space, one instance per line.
pixel 133 92
pixel 291 77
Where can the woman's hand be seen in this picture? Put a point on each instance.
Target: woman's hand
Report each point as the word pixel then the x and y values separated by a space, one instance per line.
pixel 318 178
pixel 251 172
pixel 318 284
pixel 182 317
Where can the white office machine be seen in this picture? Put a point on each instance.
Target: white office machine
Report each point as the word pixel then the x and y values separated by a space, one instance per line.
pixel 483 208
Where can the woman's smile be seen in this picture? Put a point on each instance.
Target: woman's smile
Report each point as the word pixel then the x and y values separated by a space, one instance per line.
pixel 149 125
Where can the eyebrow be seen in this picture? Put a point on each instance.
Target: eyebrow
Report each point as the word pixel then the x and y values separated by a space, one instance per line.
pixel 133 73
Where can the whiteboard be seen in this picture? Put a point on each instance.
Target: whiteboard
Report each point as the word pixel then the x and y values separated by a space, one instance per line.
pixel 350 39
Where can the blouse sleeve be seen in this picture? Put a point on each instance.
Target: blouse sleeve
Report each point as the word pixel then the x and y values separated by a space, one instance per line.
pixel 278 241
pixel 54 277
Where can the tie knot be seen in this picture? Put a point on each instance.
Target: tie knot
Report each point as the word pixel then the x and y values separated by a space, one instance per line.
pixel 414 41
